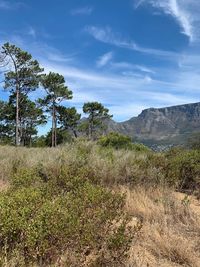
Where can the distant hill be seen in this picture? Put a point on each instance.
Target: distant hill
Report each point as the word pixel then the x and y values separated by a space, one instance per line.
pixel 162 126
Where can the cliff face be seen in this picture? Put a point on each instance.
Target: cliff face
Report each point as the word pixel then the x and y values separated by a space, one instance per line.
pixel 172 125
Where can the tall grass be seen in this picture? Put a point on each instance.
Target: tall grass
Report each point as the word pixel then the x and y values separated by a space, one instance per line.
pixel 165 224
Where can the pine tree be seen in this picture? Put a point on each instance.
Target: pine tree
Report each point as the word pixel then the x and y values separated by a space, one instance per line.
pixel 57 91
pixel 23 78
pixel 69 119
pixel 97 114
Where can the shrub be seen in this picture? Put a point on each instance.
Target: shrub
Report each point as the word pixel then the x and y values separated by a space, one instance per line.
pixel 25 178
pixel 115 140
pixel 140 147
pixel 183 169
pixel 119 141
pixel 40 223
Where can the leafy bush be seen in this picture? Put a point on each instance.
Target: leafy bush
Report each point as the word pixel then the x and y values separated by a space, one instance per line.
pixel 25 178
pixel 115 140
pixel 119 141
pixel 140 147
pixel 66 213
pixel 183 169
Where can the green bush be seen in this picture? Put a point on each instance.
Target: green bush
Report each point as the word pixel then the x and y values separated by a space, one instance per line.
pixel 140 147
pixel 183 169
pixel 40 223
pixel 115 140
pixel 119 141
pixel 25 178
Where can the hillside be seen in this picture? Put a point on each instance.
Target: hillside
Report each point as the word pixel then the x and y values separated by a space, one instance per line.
pixel 82 205
pixel 170 125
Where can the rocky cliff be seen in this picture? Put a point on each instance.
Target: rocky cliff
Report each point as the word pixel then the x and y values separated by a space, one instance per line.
pixel 170 125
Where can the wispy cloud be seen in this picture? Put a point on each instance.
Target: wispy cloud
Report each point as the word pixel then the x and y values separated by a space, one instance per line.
pixel 130 66
pixel 126 91
pixel 82 11
pixel 8 5
pixel 32 32
pixel 104 59
pixel 5 5
pixel 106 35
pixel 185 12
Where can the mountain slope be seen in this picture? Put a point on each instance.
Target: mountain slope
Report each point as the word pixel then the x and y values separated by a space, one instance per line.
pixel 170 125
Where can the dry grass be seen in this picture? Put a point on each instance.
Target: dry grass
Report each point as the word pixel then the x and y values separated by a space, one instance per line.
pixel 171 229
pixel 170 234
pixel 107 166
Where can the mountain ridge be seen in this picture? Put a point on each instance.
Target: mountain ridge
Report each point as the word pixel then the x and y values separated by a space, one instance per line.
pixel 167 125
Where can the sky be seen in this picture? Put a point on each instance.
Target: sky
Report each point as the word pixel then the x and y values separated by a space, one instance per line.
pixel 128 54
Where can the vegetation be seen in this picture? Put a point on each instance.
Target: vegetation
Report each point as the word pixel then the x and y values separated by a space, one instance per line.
pixel 97 199
pixel 97 115
pixel 20 80
pixel 69 119
pixel 54 84
pixel 20 116
pixel 119 141
pixel 85 205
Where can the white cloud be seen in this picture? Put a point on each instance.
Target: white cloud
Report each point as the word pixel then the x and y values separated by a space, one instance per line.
pixel 130 66
pixel 7 5
pixel 4 5
pixel 106 35
pixel 185 12
pixel 125 93
pixel 104 59
pixel 82 11
pixel 32 32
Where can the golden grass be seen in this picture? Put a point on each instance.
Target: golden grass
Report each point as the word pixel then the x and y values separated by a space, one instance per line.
pixel 171 229
pixel 170 234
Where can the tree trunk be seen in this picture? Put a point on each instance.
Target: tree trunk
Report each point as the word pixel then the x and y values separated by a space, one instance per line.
pixel 17 141
pixel 55 130
pixel 53 127
pixel 75 133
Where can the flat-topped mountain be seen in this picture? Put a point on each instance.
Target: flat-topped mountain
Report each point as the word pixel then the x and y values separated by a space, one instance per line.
pixel 170 125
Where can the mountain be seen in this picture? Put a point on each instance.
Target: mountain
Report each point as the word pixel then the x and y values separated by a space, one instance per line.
pixel 168 126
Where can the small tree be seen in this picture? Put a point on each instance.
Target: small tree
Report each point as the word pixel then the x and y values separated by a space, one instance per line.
pixel 69 119
pixel 97 115
pixel 23 77
pixel 30 116
pixel 57 91
pixel 6 129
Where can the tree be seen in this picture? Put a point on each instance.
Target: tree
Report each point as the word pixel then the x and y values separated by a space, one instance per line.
pixel 57 91
pixel 97 115
pixel 6 130
pixel 23 77
pixel 69 119
pixel 30 116
pixel 62 137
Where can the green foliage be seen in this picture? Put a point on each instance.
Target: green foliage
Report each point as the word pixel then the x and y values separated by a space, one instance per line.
pixel 41 218
pixel 40 141
pixel 183 169
pixel 97 115
pixel 62 137
pixel 69 119
pixel 25 73
pixel 115 140
pixel 119 141
pixel 57 91
pixel 22 78
pixel 25 178
pixel 54 84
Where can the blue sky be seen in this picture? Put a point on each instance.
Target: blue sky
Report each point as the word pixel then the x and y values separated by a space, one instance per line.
pixel 127 54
